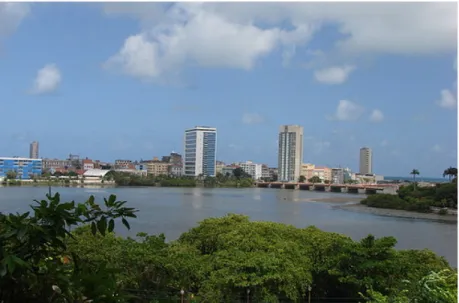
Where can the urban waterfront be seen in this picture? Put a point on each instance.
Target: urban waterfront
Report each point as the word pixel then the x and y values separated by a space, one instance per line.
pixel 173 211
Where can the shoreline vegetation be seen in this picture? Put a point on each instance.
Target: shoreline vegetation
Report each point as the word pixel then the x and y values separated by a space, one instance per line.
pixel 68 252
pixel 438 203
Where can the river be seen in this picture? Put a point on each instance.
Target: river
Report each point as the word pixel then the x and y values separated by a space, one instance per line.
pixel 173 211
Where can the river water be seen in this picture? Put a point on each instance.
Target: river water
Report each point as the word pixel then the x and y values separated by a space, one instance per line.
pixel 173 211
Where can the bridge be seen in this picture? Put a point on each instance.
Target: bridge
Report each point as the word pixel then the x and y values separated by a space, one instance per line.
pixel 338 188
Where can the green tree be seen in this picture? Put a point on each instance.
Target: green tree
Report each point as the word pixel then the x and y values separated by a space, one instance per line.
pixel 414 172
pixel 239 173
pixel 34 262
pixel 302 179
pixel 11 175
pixel 450 172
pixel 315 179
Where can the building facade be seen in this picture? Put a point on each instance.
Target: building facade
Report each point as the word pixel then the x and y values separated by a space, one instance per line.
pixel 49 164
pixel 126 164
pixel 290 155
pixel 200 151
pixel 253 169
pixel 158 168
pixel 366 161
pixel 88 164
pixel 337 176
pixel 24 168
pixel 34 152
pixel 265 175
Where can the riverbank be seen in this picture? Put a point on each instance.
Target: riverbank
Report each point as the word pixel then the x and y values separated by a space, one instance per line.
pixel 357 207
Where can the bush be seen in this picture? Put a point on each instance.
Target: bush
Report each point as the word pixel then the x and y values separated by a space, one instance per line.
pixel 384 201
pixel 443 211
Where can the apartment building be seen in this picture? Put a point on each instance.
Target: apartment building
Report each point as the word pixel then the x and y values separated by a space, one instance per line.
pixel 200 151
pixel 126 164
pixel 290 155
pixel 265 175
pixel 366 161
pixel 24 168
pixel 219 165
pixel 33 153
pixel 253 169
pixel 157 167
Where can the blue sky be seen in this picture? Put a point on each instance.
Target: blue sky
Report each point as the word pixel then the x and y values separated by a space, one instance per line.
pixel 110 81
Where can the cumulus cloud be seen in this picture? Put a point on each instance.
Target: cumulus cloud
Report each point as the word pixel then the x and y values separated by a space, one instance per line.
pixel 447 100
pixel 334 75
pixel 252 118
pixel 47 80
pixel 11 15
pixel 376 116
pixel 238 35
pixel 347 111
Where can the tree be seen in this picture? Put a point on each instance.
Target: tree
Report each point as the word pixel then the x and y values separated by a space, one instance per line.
pixel 327 181
pixel 35 265
pixel 315 179
pixel 450 172
pixel 11 175
pixel 302 179
pixel 414 172
pixel 239 173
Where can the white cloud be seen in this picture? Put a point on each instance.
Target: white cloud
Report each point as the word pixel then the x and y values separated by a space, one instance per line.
pixel 447 99
pixel 11 15
pixel 437 148
pixel 384 143
pixel 348 111
pixel 47 80
pixel 334 75
pixel 376 116
pixel 237 35
pixel 248 118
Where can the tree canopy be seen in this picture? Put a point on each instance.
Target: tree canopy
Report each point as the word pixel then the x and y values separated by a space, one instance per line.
pixel 224 259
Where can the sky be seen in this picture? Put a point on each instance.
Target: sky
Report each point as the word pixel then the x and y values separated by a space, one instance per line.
pixel 123 80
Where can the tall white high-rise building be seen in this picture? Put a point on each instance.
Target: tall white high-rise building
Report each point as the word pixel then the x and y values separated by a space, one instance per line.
pixel 366 161
pixel 33 152
pixel 200 151
pixel 290 156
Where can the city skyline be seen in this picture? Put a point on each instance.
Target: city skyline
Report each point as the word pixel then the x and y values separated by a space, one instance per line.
pixel 313 65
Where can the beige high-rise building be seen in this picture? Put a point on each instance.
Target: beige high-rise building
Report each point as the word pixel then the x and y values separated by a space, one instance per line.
pixel 290 156
pixel 33 153
pixel 366 161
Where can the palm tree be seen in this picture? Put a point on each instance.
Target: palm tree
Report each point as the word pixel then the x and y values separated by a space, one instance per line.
pixel 414 172
pixel 450 172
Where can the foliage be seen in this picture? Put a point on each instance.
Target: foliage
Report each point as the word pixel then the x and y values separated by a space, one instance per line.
pixel 451 172
pixel 438 287
pixel 302 179
pixel 315 179
pixel 219 261
pixel 239 173
pixel 11 175
pixel 34 263
pixel 414 198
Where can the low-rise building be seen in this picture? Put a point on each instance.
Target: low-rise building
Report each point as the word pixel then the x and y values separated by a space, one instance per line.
pixel 120 164
pixel 219 165
pixel 337 176
pixel 48 164
pixel 88 164
pixel 228 170
pixel 22 168
pixel 253 169
pixel 265 175
pixel 157 167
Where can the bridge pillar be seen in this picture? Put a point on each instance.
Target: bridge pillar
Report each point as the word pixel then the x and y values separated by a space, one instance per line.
pixel 344 189
pixel 283 186
pixel 297 186
pixel 361 190
pixel 269 185
pixel 328 188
